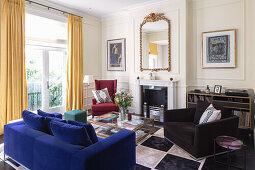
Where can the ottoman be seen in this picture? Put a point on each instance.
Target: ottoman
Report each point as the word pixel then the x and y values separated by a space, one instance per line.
pixel 76 115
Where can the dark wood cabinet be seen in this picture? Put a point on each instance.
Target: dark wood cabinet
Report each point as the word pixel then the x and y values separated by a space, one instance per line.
pixel 240 106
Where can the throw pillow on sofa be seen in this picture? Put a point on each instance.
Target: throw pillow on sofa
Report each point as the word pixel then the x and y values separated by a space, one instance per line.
pixel 45 114
pixel 34 121
pixel 90 129
pixel 102 96
pixel 48 120
pixel 210 114
pixel 75 135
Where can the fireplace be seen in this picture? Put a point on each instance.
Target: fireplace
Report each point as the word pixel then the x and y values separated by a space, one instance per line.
pixel 154 101
pixel 154 97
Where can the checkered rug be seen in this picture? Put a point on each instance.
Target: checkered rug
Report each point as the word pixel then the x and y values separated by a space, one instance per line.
pixel 154 152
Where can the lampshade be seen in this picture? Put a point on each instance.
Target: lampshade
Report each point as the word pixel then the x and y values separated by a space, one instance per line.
pixel 88 79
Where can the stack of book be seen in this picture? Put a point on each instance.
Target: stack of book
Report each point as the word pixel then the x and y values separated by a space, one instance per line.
pixel 244 118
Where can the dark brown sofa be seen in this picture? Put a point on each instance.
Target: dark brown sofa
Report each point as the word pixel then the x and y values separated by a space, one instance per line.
pixel 182 128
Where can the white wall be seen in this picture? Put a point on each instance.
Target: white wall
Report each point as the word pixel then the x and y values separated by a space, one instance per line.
pixel 128 26
pixel 214 15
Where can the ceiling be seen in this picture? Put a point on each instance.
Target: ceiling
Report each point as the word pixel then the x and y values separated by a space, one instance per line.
pixel 103 8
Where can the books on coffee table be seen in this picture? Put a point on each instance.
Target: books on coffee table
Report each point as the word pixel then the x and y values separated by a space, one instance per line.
pixel 108 117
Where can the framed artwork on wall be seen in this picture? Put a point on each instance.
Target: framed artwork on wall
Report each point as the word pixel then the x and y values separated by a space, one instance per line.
pixel 116 55
pixel 218 49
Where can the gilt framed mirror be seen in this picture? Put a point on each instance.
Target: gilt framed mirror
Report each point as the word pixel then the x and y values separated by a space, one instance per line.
pixel 155 52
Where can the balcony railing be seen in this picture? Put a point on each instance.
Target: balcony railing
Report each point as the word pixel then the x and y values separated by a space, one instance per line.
pixel 35 98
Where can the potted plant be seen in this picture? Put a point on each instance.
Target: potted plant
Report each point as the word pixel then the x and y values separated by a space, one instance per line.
pixel 123 100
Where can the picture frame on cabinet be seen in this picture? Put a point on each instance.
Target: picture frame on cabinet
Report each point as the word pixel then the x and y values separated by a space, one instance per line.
pixel 217 89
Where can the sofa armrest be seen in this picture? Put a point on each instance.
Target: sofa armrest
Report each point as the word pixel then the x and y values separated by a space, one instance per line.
pixel 113 153
pixel 180 115
pixel 94 101
pixel 207 132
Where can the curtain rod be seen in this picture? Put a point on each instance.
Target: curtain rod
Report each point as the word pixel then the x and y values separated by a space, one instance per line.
pixel 59 10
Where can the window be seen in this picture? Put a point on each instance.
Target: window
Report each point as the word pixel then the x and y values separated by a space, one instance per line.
pixel 45 63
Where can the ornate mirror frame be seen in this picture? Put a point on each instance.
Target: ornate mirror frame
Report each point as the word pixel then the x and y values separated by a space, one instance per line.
pixel 153 17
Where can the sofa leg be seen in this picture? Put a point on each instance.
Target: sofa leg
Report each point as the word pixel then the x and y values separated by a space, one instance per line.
pixel 4 157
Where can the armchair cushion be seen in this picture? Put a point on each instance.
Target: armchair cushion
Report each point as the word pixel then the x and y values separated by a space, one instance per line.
pixel 185 131
pixel 104 107
pixel 210 114
pixel 202 106
pixel 102 96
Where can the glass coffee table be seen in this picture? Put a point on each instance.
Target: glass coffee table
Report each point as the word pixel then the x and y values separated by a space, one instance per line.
pixel 110 123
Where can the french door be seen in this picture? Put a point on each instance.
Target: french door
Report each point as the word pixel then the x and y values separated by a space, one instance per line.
pixel 46 78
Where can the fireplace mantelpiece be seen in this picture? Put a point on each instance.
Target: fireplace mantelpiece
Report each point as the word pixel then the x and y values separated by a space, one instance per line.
pixel 171 91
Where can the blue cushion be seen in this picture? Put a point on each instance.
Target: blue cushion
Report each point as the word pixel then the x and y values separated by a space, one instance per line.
pixel 76 135
pixel 45 114
pixel 48 120
pixel 34 121
pixel 90 129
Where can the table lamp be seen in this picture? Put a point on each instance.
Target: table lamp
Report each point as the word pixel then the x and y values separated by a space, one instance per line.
pixel 88 79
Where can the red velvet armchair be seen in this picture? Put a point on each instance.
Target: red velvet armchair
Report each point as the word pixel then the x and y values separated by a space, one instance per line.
pixel 102 108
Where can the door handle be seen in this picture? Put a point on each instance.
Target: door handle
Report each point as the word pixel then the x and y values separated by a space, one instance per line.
pixel 48 85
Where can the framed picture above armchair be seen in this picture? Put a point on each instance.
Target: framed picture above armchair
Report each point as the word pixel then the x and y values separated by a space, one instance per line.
pixel 116 55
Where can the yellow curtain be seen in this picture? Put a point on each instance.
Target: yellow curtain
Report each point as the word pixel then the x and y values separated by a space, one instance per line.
pixel 74 95
pixel 13 85
pixel 153 49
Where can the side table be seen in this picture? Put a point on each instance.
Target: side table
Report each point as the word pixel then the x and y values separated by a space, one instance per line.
pixel 231 144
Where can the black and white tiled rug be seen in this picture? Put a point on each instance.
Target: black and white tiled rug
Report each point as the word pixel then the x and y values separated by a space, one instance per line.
pixel 154 152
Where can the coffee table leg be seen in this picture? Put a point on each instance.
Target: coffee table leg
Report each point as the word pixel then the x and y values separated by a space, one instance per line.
pixel 152 123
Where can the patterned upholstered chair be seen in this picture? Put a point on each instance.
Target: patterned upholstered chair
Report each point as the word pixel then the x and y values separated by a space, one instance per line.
pixel 102 108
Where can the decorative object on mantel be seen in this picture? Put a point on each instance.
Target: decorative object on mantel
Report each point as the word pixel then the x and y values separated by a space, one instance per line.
pixel 88 79
pixel 207 90
pixel 149 76
pixel 123 100
pixel 116 55
pixel 217 89
pixel 218 49
pixel 155 43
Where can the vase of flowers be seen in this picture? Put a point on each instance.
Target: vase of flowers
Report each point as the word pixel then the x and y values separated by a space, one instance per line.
pixel 123 100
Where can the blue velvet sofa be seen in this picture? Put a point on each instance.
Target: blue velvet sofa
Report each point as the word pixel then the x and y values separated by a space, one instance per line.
pixel 37 150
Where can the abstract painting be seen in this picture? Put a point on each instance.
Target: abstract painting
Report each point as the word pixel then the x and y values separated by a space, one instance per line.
pixel 218 49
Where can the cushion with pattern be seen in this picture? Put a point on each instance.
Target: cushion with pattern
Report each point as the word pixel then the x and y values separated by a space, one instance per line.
pixel 102 96
pixel 210 114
